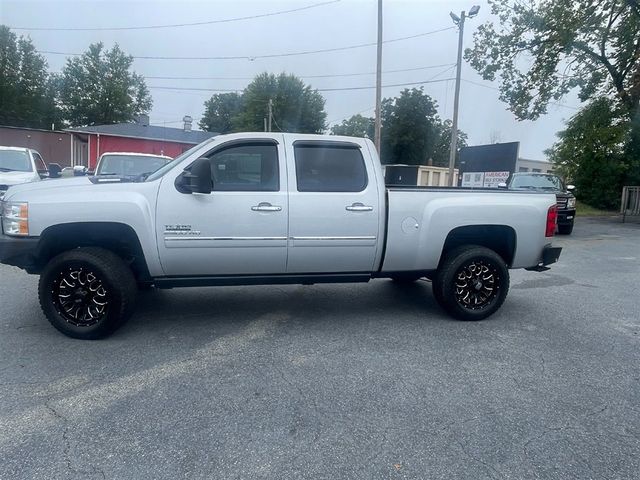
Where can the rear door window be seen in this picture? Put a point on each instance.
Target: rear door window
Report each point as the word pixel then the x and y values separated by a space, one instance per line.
pixel 335 168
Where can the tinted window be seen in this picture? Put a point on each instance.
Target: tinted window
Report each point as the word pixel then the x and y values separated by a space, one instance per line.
pixel 329 169
pixel 246 168
pixel 40 166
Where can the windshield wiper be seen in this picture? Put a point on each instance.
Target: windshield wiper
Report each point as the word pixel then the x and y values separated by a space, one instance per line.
pixel 4 169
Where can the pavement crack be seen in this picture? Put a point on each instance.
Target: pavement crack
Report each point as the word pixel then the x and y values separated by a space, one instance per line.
pixel 66 448
pixel 491 470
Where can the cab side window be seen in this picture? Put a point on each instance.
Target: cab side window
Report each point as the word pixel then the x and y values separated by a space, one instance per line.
pixel 41 168
pixel 322 168
pixel 246 168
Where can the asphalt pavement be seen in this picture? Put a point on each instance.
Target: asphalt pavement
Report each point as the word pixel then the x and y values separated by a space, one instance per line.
pixel 366 381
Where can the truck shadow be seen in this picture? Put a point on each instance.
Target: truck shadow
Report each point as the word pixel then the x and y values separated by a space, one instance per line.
pixel 320 303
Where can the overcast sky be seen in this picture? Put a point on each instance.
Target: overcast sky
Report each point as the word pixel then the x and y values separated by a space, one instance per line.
pixel 333 25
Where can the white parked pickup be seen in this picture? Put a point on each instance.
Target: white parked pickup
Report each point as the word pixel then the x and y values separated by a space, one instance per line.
pixel 266 208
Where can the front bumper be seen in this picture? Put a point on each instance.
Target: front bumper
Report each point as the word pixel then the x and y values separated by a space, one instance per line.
pixel 19 251
pixel 549 255
pixel 566 217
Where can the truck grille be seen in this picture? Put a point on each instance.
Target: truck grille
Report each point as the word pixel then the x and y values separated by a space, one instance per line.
pixel 562 203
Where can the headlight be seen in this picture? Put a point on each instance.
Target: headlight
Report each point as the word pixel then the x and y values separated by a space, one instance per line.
pixel 15 218
pixel 571 203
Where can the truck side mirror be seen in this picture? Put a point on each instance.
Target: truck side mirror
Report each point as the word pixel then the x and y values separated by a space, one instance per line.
pixel 55 170
pixel 198 178
pixel 571 187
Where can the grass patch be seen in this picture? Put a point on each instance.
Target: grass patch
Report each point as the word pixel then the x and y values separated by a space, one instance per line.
pixel 584 210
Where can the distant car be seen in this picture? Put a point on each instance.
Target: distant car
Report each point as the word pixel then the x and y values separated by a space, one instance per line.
pixel 547 182
pixel 125 164
pixel 22 165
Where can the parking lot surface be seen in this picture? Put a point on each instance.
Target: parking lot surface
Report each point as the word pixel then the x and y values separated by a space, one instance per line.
pixel 337 381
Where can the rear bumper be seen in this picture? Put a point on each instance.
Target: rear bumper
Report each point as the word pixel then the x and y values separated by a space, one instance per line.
pixel 549 255
pixel 19 251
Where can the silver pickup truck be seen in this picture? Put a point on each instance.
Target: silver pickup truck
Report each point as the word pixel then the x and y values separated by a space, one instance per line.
pixel 263 208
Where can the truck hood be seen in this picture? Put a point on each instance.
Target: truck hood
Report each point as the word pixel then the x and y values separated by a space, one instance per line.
pixel 15 178
pixel 61 183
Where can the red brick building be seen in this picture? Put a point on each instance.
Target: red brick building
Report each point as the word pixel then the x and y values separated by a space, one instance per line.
pixel 88 143
pixel 54 146
pixel 84 145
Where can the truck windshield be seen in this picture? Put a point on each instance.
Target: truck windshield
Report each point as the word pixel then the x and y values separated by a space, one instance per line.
pixel 130 165
pixel 14 161
pixel 537 181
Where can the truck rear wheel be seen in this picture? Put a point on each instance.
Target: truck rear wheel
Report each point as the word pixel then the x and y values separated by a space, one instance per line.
pixel 471 283
pixel 87 293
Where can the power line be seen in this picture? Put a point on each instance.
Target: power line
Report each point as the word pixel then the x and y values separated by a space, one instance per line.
pixel 497 89
pixel 175 25
pixel 429 80
pixel 272 55
pixel 307 76
pixel 341 89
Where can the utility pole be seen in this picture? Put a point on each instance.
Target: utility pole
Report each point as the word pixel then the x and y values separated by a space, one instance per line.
pixel 456 101
pixel 378 124
pixel 459 21
pixel 270 112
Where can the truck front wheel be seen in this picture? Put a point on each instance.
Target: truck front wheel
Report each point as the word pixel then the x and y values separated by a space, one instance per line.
pixel 471 283
pixel 87 293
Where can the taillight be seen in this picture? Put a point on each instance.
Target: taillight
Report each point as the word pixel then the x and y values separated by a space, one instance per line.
pixel 552 218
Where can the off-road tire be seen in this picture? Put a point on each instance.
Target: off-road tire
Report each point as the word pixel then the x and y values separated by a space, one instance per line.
pixel 456 263
pixel 114 276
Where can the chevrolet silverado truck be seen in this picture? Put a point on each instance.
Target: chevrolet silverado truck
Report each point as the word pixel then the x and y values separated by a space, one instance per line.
pixel 547 182
pixel 265 208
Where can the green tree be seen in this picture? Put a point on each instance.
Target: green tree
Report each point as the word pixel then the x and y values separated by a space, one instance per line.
pixel 591 153
pixel 26 99
pixel 542 50
pixel 442 148
pixel 98 87
pixel 221 112
pixel 356 126
pixel 296 106
pixel 412 131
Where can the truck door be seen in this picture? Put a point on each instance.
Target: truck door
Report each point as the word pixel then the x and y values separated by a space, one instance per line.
pixel 333 208
pixel 241 227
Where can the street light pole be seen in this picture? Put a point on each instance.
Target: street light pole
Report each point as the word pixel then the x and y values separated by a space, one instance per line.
pixel 378 123
pixel 456 102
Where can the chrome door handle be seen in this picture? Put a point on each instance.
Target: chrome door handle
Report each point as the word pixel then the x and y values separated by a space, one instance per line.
pixel 266 207
pixel 359 207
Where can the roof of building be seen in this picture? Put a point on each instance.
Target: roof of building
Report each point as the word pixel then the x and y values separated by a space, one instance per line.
pixel 542 162
pixel 147 132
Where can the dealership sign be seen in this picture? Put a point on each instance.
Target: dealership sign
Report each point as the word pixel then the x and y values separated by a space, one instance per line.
pixel 484 179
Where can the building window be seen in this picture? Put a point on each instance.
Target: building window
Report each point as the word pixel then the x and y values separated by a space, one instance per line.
pixel 523 169
pixel 536 170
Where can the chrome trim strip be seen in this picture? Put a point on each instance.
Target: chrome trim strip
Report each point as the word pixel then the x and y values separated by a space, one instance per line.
pixel 173 239
pixel 333 238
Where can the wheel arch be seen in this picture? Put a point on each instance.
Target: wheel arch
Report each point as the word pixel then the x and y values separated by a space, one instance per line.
pixel 117 237
pixel 502 239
